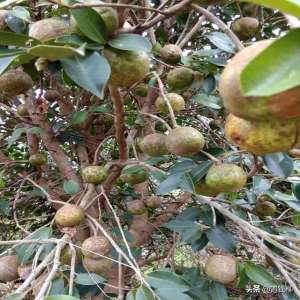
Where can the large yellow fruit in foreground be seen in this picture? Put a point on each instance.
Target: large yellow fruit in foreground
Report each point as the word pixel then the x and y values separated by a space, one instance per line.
pixel 262 137
pixel 284 105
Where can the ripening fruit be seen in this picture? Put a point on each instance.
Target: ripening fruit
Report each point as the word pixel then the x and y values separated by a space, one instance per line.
pixel 66 255
pixel 177 102
pixel 222 268
pixel 180 78
pixel 262 137
pixel 8 268
pixel 101 266
pixel 284 105
pixel 22 110
pixel 38 159
pixel 201 188
pixel 15 82
pixel 136 207
pixel 226 178
pixel 51 28
pixel 265 208
pixel 185 141
pixel 153 202
pixel 3 14
pixel 141 89
pixel 153 144
pixel 245 28
pixel 51 95
pixel 69 215
pixel 94 174
pixel 134 176
pixel 170 53
pixel 95 246
pixel 127 67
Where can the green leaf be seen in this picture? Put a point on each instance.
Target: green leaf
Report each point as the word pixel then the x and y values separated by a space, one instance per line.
pixel 207 100
pixel 91 24
pixel 21 13
pixel 5 62
pixel 297 191
pixel 218 291
pixel 4 207
pixel 260 185
pixel 221 238
pixel 57 287
pixel 14 61
pixel 167 293
pixel 99 109
pixel 186 183
pixel 53 53
pixel 222 41
pixel 131 295
pixel 61 297
pixel 71 187
pixel 200 171
pixel 8 38
pixel 76 40
pixel 170 184
pixel 90 72
pixel 130 42
pixel 11 52
pixel 279 164
pixel 35 130
pixel 89 279
pixel 79 117
pixel 259 275
pixel 143 293
pixel 274 70
pixel 16 296
pixel 15 135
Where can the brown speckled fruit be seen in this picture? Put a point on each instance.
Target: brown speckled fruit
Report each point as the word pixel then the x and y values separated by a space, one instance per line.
pixel 8 268
pixel 3 14
pixel 226 178
pixel 177 102
pixel 136 207
pixel 51 95
pixel 22 110
pixel 15 82
pixel 245 28
pixel 141 89
pixel 222 268
pixel 265 208
pixel 127 67
pixel 154 144
pixel 170 53
pixel 94 174
pixel 100 266
pixel 134 175
pixel 95 246
pixel 153 202
pixel 180 78
pixel 69 215
pixel 38 159
pixel 262 137
pixel 185 141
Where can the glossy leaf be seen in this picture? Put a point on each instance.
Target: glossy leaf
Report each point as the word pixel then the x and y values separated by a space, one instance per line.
pixel 297 191
pixel 131 42
pixel 79 117
pixel 21 13
pixel 61 297
pixel 170 184
pixel 167 293
pixel 89 279
pixel 207 100
pixel 71 187
pixel 221 238
pixel 222 41
pixel 143 293
pixel 280 164
pixel 16 296
pixel 218 291
pixel 13 39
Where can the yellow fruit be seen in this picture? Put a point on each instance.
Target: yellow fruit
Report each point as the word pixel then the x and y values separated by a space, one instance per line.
pixel 284 105
pixel 203 189
pixel 185 141
pixel 180 78
pixel 153 202
pixel 100 266
pixel 22 110
pixel 177 102
pixel 127 67
pixel 154 144
pixel 8 268
pixel 245 28
pixel 262 137
pixel 95 246
pixel 15 82
pixel 136 207
pixel 226 178
pixel 3 14
pixel 94 174
pixel 133 176
pixel 171 53
pixel 69 215
pixel 222 268
pixel 51 28
pixel 38 159
pixel 265 208
pixel 141 89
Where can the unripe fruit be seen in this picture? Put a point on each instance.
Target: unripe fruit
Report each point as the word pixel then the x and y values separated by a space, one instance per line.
pixel 180 78
pixel 22 110
pixel 94 174
pixel 154 144
pixel 8 268
pixel 3 14
pixel 15 82
pixel 127 67
pixel 176 101
pixel 201 188
pixel 50 28
pixel 137 176
pixel 136 207
pixel 226 178
pixel 41 64
pixel 95 246
pixel 170 53
pixel 294 260
pixel 100 266
pixel 262 137
pixel 51 95
pixel 185 141
pixel 141 89
pixel 222 268
pixel 38 159
pixel 67 254
pixel 69 215
pixel 265 208
pixel 245 28
pixel 153 202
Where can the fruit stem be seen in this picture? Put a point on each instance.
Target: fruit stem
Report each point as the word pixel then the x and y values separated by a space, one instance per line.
pixel 211 157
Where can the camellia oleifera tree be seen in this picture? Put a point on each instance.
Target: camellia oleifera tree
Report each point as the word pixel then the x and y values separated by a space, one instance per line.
pixel 137 132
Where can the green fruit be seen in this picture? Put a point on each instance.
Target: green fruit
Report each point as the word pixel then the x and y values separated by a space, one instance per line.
pixel 295 219
pixel 110 18
pixel 51 28
pixel 226 178
pixel 22 110
pixel 96 246
pixel 245 28
pixel 262 137
pixel 177 102
pixel 284 105
pixel 67 254
pixel 100 266
pixel 171 53
pixel 153 202
pixel 3 15
pixel 51 95
pixel 141 89
pixel 222 268
pixel 201 188
pixel 134 175
pixel 94 174
pixel 156 48
pixel 8 268
pixel 154 144
pixel 15 82
pixel 38 159
pixel 69 215
pixel 127 67
pixel 294 260
pixel 136 207
pixel 265 208
pixel 180 78
pixel 185 141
